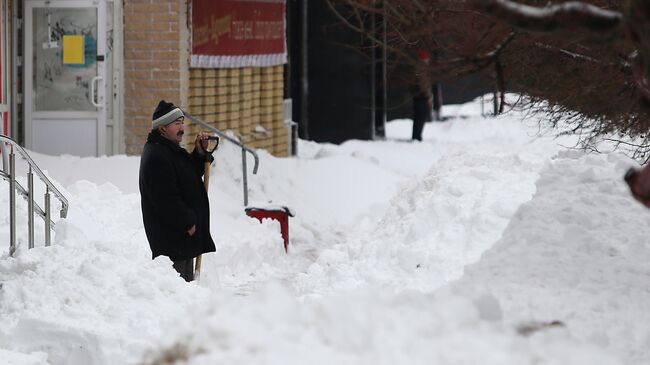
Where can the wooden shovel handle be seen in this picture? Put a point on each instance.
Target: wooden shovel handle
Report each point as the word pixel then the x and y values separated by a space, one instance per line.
pixel 206 182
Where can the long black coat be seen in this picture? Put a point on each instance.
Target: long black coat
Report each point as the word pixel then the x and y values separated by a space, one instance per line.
pixel 173 199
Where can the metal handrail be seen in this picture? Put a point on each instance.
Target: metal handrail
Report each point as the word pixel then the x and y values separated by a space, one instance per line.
pixel 243 147
pixel 10 175
pixel 23 192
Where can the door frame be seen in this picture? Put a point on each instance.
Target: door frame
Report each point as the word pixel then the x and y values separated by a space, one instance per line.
pixel 117 94
pixel 5 68
pixel 29 113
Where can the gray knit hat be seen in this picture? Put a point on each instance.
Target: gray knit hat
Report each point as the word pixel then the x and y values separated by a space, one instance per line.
pixel 165 113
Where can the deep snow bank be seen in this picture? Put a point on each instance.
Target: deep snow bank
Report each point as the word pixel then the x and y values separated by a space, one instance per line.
pixel 364 326
pixel 578 252
pixel 95 296
pixel 481 171
pixel 368 213
pixel 433 227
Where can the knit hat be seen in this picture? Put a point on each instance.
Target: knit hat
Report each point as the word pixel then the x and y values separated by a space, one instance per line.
pixel 165 113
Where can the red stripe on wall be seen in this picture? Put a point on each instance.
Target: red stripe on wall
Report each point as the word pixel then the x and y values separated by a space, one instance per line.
pixel 238 28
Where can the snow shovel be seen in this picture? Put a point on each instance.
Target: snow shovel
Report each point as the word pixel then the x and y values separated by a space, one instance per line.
pixel 206 182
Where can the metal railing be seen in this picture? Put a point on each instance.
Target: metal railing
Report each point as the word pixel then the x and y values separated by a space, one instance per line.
pixel 8 173
pixel 243 147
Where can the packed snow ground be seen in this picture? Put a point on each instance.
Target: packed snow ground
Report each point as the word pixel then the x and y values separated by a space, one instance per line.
pixel 486 243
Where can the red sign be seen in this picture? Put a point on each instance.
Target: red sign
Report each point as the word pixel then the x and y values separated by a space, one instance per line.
pixel 238 33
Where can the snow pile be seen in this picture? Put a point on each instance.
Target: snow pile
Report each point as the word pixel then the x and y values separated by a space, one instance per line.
pixel 366 326
pixel 578 252
pixel 435 226
pixel 83 299
pixel 381 228
pixel 444 219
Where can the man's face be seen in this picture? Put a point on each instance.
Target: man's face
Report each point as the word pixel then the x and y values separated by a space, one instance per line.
pixel 174 130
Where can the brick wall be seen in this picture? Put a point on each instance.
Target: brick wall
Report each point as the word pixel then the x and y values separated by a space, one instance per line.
pixel 152 63
pixel 246 100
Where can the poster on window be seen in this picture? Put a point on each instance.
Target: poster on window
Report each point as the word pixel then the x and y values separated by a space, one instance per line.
pixel 238 33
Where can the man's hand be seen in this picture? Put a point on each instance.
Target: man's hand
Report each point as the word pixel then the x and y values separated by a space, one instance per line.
pixel 639 182
pixel 192 230
pixel 201 142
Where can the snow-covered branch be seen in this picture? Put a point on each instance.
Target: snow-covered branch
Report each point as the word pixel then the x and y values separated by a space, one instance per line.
pixel 638 20
pixel 569 15
pixel 568 53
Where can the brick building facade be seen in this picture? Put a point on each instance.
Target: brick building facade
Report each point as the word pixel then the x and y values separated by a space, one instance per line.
pixel 246 100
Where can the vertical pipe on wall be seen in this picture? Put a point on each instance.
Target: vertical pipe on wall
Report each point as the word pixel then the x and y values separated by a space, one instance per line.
pixel 119 142
pixel 13 113
pixel 304 79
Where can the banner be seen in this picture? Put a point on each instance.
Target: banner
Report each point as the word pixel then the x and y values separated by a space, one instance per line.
pixel 238 33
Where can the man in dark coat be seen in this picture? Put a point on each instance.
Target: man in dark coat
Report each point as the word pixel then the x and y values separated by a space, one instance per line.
pixel 175 206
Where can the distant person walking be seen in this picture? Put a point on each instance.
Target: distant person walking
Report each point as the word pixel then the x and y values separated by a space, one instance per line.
pixel 422 96
pixel 421 113
pixel 175 207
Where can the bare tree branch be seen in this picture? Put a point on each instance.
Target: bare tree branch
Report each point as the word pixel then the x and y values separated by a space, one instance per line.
pixel 569 15
pixel 585 65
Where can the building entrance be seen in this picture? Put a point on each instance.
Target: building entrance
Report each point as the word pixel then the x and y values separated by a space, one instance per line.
pixel 67 79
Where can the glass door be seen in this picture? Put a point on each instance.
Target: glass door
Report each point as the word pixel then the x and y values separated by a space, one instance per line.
pixel 65 77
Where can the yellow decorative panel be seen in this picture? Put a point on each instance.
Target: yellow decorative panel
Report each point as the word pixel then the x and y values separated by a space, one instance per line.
pixel 73 50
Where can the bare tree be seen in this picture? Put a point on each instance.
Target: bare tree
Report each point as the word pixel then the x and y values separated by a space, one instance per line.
pixel 583 63
pixel 459 39
pixel 611 56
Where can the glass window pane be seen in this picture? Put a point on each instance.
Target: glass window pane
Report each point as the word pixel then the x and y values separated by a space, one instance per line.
pixel 59 86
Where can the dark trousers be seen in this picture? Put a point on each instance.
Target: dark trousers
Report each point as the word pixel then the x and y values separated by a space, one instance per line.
pixel 421 114
pixel 185 268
